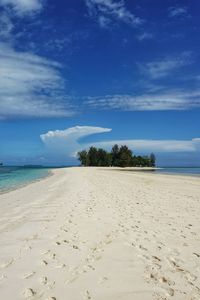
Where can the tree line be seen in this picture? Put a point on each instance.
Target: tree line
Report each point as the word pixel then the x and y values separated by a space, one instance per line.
pixel 118 157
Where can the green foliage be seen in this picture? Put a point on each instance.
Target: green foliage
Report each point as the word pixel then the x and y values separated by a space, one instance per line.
pixel 152 160
pixel 82 155
pixel 118 157
pixel 104 158
pixel 115 155
pixel 125 156
pixel 92 157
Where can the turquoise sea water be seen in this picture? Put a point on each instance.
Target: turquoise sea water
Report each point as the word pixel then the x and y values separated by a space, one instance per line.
pixel 14 177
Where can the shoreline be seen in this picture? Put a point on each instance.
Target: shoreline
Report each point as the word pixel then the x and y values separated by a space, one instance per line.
pixel 2 191
pixel 89 235
pixel 145 170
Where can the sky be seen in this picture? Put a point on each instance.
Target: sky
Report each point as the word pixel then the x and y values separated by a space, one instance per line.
pixel 78 73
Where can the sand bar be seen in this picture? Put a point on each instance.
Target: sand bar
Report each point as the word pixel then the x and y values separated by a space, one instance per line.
pixel 91 233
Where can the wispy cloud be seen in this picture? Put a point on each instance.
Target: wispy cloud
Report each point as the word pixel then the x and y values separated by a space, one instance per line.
pixel 145 36
pixel 178 11
pixel 6 27
pixel 166 100
pixel 163 67
pixel 30 86
pixel 105 11
pixel 147 146
pixel 22 7
pixel 66 143
pixel 12 9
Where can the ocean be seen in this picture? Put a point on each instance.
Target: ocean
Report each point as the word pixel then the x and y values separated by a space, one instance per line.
pixel 14 177
pixel 180 170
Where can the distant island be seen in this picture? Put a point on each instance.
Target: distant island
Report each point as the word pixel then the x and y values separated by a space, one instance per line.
pixel 118 157
pixel 33 166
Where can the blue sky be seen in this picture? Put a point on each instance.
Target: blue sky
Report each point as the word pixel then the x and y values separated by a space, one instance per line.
pixel 95 72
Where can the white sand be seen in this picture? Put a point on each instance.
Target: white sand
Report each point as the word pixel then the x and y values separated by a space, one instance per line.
pixel 88 233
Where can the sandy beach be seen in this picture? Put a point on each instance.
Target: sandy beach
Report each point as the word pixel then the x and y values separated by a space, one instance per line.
pixel 101 234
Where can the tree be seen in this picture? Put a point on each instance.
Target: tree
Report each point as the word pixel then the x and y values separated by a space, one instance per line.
pixel 152 160
pixel 134 161
pixel 118 157
pixel 125 156
pixel 82 156
pixel 104 158
pixel 115 155
pixel 92 157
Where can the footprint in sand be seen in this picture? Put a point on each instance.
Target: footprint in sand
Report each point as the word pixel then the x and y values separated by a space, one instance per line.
pixel 169 292
pixel 61 266
pixel 75 247
pixel 28 275
pixel 44 252
pixel 52 255
pixel 2 277
pixel 28 292
pixel 44 263
pixel 43 280
pixel 91 267
pixel 6 263
pixel 27 248
pixel 197 255
pixel 142 248
pixel 87 296
pixel 31 237
pixel 156 258
pixel 102 280
pixel 190 277
pixel 72 279
pixel 50 285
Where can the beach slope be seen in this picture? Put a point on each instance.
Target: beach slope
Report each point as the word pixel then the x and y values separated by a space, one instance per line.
pixel 101 234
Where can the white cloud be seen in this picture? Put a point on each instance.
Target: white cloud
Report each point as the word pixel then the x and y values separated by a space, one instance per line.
pixel 66 143
pixel 10 9
pixel 107 10
pixel 178 11
pixel 30 86
pixel 6 26
pixel 104 22
pixel 164 67
pixel 22 7
pixel 148 146
pixel 145 36
pixel 170 100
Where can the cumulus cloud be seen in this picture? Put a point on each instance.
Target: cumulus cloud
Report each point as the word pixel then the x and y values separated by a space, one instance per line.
pixel 165 100
pixel 66 143
pixel 30 86
pixel 107 10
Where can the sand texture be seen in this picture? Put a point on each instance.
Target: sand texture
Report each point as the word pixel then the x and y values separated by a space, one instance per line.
pixel 100 234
